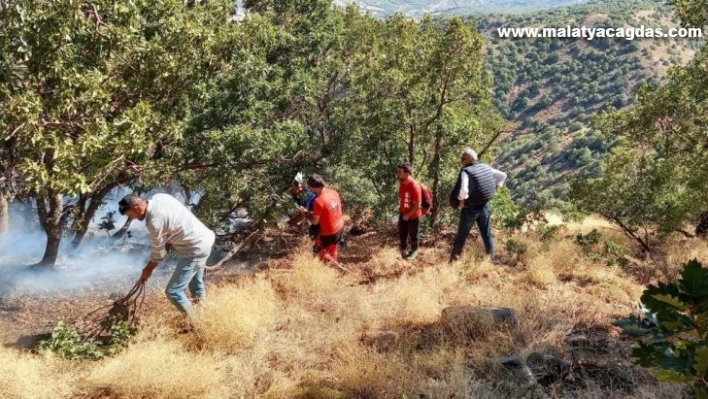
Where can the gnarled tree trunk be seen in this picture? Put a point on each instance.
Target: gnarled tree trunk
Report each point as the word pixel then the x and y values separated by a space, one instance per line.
pixel 51 220
pixel 88 215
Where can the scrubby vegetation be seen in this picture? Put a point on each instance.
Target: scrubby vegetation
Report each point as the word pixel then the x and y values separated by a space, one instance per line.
pixel 302 329
pixel 147 95
pixel 552 89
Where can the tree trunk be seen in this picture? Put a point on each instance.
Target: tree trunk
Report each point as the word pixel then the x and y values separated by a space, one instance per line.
pixel 411 139
pixel 644 243
pixel 4 214
pixel 96 201
pixel 120 233
pixel 436 176
pixel 702 227
pixel 79 213
pixel 51 221
pixel 51 251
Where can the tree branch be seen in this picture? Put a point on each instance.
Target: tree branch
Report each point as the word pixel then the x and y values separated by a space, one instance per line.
pixel 631 234
pixel 494 138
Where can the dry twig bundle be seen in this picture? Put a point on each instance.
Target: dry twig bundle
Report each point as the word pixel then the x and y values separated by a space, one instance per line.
pixel 121 312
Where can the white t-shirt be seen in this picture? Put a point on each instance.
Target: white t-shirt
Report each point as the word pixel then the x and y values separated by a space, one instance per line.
pixel 169 221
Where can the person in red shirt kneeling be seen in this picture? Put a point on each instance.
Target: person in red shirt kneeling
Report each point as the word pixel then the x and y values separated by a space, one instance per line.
pixel 327 213
pixel 410 195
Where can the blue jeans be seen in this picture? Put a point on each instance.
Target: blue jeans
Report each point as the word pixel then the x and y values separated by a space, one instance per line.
pixel 482 215
pixel 189 273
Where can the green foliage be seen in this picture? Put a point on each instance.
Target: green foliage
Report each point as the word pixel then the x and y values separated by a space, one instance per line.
pixel 573 214
pixel 94 90
pixel 538 82
pixel 120 334
pixel 96 95
pixel 613 248
pixel 516 247
pixel 654 178
pixel 507 214
pixel 148 94
pixel 548 232
pixel 670 329
pixel 321 89
pixel 614 253
pixel 692 13
pixel 588 240
pixel 68 343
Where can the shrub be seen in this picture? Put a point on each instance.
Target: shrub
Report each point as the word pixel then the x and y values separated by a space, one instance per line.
pixel 69 344
pixel 588 240
pixel 671 329
pixel 516 247
pixel 547 232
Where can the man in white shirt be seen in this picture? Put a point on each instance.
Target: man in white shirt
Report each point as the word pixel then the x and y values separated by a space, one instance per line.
pixel 172 225
pixel 474 189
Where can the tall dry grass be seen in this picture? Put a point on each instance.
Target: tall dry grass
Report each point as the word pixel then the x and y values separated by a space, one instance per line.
pixel 297 333
pixel 27 376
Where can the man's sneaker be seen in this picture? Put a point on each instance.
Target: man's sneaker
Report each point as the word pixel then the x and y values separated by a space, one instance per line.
pixel 404 254
pixel 412 255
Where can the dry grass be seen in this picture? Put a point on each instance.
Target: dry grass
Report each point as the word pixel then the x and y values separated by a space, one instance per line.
pixel 160 368
pixel 540 273
pixel 26 376
pixel 680 250
pixel 296 333
pixel 251 315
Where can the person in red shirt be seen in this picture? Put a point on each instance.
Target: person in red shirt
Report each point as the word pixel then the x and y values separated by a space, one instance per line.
pixel 327 213
pixel 410 195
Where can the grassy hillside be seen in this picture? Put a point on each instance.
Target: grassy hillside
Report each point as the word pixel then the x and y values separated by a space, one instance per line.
pixel 381 8
pixel 551 88
pixel 303 330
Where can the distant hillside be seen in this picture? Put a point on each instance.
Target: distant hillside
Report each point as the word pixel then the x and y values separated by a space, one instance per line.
pixel 416 8
pixel 549 89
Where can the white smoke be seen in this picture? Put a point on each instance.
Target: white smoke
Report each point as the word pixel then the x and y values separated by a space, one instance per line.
pixel 100 263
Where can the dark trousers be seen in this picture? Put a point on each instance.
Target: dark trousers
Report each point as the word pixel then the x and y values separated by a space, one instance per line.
pixel 482 215
pixel 408 229
pixel 328 246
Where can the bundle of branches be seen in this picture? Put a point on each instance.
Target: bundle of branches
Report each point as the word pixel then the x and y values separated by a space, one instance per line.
pixel 122 313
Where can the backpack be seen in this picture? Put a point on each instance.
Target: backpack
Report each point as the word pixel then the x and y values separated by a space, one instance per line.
pixel 427 199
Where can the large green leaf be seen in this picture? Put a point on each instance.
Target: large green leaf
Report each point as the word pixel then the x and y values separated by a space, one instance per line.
pixel 694 279
pixel 671 301
pixel 672 376
pixel 701 365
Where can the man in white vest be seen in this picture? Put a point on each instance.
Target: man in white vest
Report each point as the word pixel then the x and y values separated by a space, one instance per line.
pixel 475 188
pixel 172 226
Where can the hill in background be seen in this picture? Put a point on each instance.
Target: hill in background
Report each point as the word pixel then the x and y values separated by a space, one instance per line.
pixel 415 8
pixel 550 89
